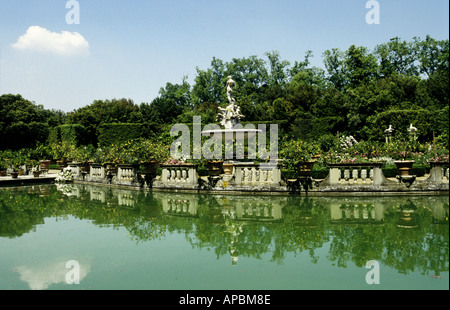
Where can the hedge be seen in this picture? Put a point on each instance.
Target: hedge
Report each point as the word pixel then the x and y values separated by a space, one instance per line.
pixel 111 133
pixel 73 133
pixel 423 120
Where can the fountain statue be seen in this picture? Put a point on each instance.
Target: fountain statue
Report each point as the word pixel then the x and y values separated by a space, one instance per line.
pixel 230 118
pixel 231 115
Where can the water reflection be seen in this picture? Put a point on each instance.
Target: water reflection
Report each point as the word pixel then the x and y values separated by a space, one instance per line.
pixel 405 233
pixel 42 276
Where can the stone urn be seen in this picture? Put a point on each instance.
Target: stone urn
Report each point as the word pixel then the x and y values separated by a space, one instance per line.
pixel 150 167
pixel 214 168
pixel 228 168
pixel 36 174
pixel 62 164
pixel 404 167
pixel 14 174
pixel 45 164
pixel 305 168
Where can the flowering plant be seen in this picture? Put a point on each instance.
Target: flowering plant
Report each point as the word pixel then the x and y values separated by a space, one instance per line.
pixel 299 151
pixel 174 162
pixel 147 150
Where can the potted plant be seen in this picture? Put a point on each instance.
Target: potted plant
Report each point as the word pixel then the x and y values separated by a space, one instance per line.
pixel 298 155
pixel 62 151
pixel 150 154
pixel 17 160
pixel 402 153
pixel 34 167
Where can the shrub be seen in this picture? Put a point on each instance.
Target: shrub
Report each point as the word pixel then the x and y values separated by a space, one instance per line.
pixel 114 133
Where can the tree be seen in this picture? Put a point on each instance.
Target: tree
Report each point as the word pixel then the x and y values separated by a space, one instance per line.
pixel 361 66
pixel 22 123
pixel 278 69
pixel 104 112
pixel 397 56
pixel 433 55
pixel 209 84
pixel 334 61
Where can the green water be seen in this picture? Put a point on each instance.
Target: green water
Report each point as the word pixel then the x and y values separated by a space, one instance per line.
pixel 126 239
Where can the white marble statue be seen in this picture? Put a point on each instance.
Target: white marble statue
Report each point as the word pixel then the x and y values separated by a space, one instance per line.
pixel 230 115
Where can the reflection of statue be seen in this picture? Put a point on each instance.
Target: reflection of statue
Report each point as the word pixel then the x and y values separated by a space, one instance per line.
pixel 232 113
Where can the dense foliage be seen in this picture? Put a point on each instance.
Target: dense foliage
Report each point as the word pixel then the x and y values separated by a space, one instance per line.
pixel 358 93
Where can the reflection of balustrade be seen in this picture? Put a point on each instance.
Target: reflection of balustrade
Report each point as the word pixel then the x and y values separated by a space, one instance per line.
pixel 358 213
pixel 254 210
pixel 257 175
pixel 98 195
pixel 354 174
pixel 180 205
pixel 179 175
pixel 126 199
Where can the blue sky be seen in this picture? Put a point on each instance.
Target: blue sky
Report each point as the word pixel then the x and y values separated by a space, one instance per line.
pixel 130 49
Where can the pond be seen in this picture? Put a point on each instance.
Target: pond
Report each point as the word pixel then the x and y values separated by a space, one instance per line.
pixel 76 236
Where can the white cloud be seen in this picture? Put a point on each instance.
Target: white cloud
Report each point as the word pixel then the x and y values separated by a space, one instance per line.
pixel 41 276
pixel 42 40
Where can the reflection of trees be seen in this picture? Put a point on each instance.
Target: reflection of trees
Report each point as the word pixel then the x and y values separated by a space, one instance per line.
pixel 20 213
pixel 423 247
pixel 357 230
pixel 303 229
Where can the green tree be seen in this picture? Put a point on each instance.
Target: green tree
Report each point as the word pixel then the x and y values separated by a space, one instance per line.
pixel 22 123
pixel 361 66
pixel 433 55
pixel 334 61
pixel 397 56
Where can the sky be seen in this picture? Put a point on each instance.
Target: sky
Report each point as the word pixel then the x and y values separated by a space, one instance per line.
pixel 63 58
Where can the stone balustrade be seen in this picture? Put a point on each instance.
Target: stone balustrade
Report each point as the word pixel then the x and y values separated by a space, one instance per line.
pixel 97 173
pixel 179 176
pixel 257 174
pixel 345 177
pixel 355 174
pixel 126 175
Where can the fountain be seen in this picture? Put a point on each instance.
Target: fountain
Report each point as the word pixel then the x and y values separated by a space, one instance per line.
pixel 230 118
